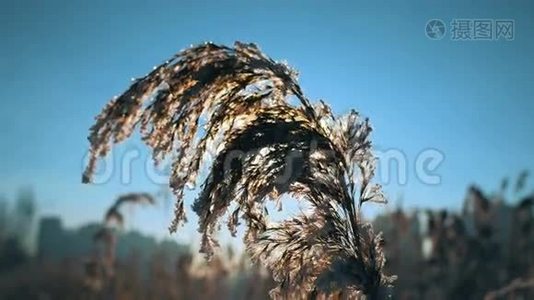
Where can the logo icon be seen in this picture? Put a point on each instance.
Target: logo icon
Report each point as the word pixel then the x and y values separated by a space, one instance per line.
pixel 435 29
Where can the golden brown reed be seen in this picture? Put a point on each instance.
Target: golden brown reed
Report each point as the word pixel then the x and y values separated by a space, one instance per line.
pixel 235 103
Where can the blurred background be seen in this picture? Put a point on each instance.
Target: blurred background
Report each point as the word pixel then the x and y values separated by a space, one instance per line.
pixel 446 85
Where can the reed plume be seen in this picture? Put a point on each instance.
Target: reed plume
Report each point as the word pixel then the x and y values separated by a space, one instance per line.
pixel 245 115
pixel 101 269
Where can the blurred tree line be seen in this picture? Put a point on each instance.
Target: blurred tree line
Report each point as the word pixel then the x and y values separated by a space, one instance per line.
pixel 467 254
pixel 486 250
pixel 17 230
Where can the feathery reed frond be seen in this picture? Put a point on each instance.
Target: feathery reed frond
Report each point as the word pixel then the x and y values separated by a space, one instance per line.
pixel 101 268
pixel 263 147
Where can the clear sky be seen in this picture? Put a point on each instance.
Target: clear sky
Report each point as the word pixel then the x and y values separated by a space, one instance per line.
pixel 60 62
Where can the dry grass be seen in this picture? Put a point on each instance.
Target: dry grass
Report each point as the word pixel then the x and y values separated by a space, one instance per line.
pixel 100 270
pixel 263 147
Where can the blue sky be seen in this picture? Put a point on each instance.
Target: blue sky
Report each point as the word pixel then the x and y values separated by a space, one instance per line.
pixel 60 62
